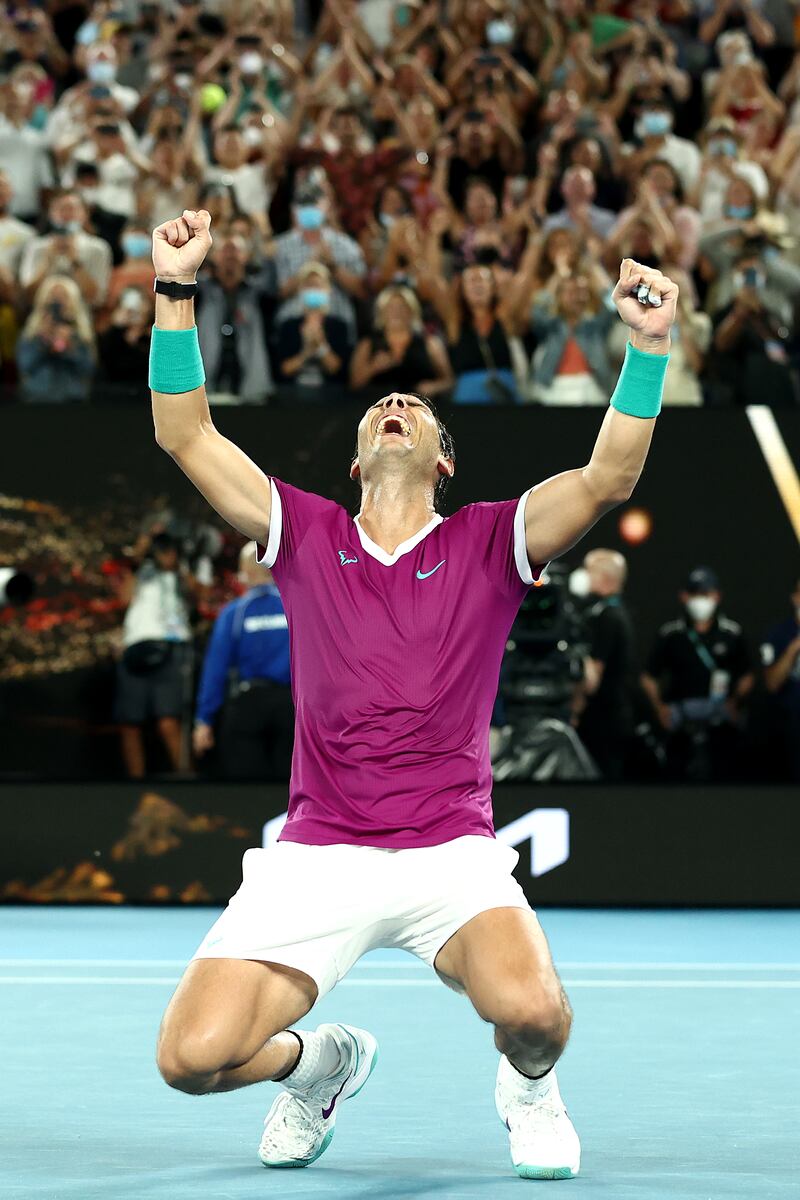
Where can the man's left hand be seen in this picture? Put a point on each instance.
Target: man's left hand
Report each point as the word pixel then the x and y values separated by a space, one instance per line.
pixel 649 321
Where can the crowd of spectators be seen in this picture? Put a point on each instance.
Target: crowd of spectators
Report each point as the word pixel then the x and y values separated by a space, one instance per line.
pixel 422 194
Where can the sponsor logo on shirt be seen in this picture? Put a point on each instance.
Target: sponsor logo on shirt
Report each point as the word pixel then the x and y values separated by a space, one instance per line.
pixel 345 560
pixel 427 574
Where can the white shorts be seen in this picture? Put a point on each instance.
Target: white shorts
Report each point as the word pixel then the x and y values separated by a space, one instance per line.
pixel 319 908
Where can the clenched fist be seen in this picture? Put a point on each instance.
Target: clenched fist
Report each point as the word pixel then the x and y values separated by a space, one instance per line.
pixel 647 302
pixel 180 246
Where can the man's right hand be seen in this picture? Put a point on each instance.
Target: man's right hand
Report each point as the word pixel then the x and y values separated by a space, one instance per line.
pixel 180 246
pixel 202 738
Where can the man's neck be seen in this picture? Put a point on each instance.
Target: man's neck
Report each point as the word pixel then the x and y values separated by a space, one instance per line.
pixel 390 514
pixel 703 626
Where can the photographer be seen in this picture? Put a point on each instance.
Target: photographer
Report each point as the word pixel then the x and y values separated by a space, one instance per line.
pixel 751 340
pixel 56 352
pixel 154 673
pixel 125 345
pixel 68 250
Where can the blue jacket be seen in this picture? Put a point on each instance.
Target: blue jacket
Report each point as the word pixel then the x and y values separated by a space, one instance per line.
pixel 251 635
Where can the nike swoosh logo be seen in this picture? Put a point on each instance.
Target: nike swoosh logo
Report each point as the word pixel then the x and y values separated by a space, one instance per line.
pixel 427 574
pixel 326 1112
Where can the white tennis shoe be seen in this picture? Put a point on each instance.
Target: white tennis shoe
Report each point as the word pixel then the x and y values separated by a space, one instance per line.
pixel 300 1125
pixel 544 1144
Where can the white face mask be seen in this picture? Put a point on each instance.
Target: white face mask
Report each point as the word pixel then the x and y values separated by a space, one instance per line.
pixel 251 63
pixel 701 608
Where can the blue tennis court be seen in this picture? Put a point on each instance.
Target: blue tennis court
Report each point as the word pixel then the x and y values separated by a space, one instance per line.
pixel 682 1076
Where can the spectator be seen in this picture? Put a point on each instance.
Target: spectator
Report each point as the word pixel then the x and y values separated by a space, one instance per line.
pixel 724 159
pixel 481 230
pixel 313 239
pixel 136 268
pixel 56 352
pixel 780 658
pixel 751 352
pixel 312 351
pixel 14 234
pixel 119 168
pixel 571 363
pixel 124 347
pixel 68 250
pixel 400 356
pixel 154 673
pixel 76 103
pixel 698 676
pixel 659 200
pixel 605 723
pixel 244 686
pixel 655 139
pixel 480 149
pixel 248 177
pixel 231 328
pixel 23 152
pixel 167 188
pixel 355 169
pixel 579 213
pixel 479 337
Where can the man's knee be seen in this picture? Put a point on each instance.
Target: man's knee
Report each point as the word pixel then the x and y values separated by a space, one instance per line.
pixel 531 1015
pixel 190 1062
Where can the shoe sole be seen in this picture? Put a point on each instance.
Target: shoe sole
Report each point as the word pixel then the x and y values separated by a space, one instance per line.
pixel 306 1162
pixel 528 1171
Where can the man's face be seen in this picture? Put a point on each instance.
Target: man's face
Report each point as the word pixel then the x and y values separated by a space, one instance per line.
pixel 66 210
pixel 400 432
pixel 230 252
pixel 167 559
pixel 578 186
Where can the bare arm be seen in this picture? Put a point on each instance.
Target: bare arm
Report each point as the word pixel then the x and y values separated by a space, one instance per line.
pixel 776 674
pixel 233 485
pixel 561 510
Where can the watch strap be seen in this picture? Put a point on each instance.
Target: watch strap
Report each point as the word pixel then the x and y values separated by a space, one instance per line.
pixel 175 291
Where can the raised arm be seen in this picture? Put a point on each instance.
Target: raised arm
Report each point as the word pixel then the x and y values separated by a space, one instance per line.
pixel 229 480
pixel 561 510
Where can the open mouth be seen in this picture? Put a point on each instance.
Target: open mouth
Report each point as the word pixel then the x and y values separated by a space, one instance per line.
pixel 393 424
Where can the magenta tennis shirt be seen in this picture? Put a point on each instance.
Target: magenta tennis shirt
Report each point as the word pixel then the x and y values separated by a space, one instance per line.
pixel 395 664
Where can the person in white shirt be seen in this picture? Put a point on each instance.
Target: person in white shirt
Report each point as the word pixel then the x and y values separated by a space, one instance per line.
pixel 14 234
pixel 68 250
pixel 23 153
pixel 119 169
pixel 101 71
pixel 154 673
pixel 653 132
pixel 723 160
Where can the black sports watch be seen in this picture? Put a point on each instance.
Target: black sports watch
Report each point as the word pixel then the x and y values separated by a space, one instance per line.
pixel 175 291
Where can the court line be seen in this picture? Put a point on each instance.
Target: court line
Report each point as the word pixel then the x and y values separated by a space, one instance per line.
pixel 416 966
pixel 608 984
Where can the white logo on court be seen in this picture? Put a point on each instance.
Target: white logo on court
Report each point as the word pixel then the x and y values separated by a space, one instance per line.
pixel 547 829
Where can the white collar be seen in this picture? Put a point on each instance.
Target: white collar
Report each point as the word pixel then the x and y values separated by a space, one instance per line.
pixel 389 560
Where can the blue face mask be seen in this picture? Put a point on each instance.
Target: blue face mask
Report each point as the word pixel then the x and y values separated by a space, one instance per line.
pixel 656 123
pixel 136 245
pixel 724 146
pixel 309 216
pixel 738 212
pixel 314 297
pixel 101 72
pixel 38 118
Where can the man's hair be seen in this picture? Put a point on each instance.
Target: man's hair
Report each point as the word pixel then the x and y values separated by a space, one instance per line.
pixel 446 445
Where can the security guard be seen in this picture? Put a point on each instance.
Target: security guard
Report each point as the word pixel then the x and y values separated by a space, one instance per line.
pixel 606 722
pixel 697 677
pixel 246 670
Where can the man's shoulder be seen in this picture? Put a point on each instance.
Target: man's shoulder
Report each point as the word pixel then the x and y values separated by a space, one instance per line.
pixel 672 628
pixel 308 501
pixel 732 628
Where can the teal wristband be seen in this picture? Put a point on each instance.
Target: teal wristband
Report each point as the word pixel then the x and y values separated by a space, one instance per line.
pixel 176 364
pixel 641 383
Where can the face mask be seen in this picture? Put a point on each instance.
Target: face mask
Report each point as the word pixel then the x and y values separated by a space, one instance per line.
pixel 723 146
pixel 136 245
pixel 654 124
pixel 314 297
pixel 38 118
pixel 701 608
pixel 251 63
pixel 68 226
pixel 251 136
pixel 87 33
pixel 101 72
pixel 738 212
pixel 499 32
pixel 309 216
pixel 386 220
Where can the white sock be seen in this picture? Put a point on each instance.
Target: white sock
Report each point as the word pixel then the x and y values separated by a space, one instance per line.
pixel 528 1089
pixel 319 1059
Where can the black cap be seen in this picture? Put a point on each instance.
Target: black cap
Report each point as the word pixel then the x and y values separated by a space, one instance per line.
pixel 308 193
pixel 702 579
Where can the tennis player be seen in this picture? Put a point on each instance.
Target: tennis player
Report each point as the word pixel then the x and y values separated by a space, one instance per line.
pixel 398 621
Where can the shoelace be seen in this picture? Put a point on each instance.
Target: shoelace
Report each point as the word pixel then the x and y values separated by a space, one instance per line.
pixel 546 1109
pixel 294 1120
